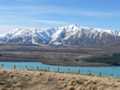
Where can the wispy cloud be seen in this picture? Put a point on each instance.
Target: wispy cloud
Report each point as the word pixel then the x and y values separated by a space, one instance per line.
pixel 46 15
pixel 47 9
pixel 51 22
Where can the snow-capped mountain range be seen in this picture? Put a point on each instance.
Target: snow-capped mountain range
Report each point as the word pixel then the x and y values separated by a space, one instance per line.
pixel 62 36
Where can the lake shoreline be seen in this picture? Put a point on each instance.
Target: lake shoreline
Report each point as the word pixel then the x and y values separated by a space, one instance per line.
pixel 12 59
pixel 35 66
pixel 63 56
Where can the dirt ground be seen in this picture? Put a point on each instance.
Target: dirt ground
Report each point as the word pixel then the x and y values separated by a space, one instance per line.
pixel 38 80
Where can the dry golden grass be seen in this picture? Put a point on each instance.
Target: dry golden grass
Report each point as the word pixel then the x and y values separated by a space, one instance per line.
pixel 36 80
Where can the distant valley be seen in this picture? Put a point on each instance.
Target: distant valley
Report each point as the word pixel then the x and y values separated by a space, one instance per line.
pixel 60 56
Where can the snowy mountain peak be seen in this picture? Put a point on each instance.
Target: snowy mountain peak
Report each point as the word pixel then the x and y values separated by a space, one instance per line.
pixel 73 34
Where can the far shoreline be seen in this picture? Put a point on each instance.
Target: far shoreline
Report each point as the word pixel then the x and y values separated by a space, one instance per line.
pixel 38 61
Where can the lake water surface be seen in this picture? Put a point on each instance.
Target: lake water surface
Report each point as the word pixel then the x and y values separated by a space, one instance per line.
pixel 104 71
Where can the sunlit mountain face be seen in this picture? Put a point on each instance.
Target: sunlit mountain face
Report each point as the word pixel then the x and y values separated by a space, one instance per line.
pixel 62 36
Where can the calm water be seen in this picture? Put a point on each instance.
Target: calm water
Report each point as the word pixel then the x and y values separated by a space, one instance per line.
pixel 105 71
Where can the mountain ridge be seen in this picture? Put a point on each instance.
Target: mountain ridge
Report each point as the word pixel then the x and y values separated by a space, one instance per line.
pixel 62 36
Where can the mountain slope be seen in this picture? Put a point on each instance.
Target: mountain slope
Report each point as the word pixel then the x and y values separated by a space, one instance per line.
pixel 63 36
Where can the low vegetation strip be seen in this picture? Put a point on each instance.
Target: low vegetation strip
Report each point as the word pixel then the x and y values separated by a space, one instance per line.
pixel 39 80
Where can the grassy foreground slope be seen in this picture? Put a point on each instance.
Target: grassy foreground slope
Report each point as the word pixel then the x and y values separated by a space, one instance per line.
pixel 36 80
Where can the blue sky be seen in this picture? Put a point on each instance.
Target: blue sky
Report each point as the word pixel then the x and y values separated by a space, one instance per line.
pixel 37 13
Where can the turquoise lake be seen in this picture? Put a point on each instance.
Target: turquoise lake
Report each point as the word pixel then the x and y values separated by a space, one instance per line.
pixel 104 71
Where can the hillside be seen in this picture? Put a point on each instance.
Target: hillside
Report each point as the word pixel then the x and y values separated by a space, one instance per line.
pixel 69 35
pixel 37 80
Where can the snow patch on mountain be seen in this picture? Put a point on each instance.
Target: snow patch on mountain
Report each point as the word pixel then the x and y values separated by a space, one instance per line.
pixel 63 35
